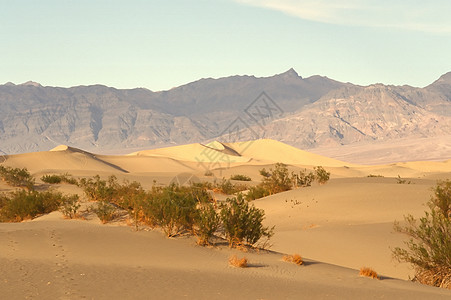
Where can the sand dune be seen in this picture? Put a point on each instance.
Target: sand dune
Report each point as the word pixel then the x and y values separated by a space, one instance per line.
pixel 194 153
pixel 270 150
pixel 338 227
pixel 60 159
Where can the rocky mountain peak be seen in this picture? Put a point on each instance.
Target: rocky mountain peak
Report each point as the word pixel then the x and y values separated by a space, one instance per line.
pixel 291 73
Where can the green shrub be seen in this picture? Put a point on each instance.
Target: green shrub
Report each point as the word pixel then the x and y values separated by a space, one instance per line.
pixel 277 180
pixel 321 175
pixel 207 222
pixel 105 211
pixel 173 208
pixel 228 188
pixel 20 205
pixel 256 192
pixel 97 189
pixel 240 177
pixel 130 196
pixel 429 246
pixel 442 198
pixel 70 206
pixel 243 223
pixel 17 177
pixel 52 179
pixel 303 179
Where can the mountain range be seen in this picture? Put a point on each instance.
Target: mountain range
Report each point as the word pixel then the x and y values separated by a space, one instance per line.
pixel 309 113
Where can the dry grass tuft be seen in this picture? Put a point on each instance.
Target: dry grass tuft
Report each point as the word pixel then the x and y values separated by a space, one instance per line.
pixel 368 272
pixel 295 258
pixel 439 277
pixel 236 262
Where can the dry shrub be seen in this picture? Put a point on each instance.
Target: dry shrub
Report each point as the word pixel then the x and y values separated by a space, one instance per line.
pixel 237 262
pixel 368 272
pixel 295 258
pixel 439 277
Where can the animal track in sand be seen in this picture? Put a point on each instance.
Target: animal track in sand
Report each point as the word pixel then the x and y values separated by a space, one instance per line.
pixel 63 274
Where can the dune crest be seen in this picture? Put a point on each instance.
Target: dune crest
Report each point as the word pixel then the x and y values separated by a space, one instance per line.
pixel 60 148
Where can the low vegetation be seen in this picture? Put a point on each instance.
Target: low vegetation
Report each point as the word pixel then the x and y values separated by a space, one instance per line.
pixel 23 204
pixel 17 177
pixel 181 210
pixel 176 209
pixel 243 223
pixel 399 180
pixel 278 180
pixel 225 186
pixel 295 259
pixel 207 223
pixel 105 211
pixel 368 272
pixel 240 177
pixel 69 206
pixel 428 249
pixel 57 179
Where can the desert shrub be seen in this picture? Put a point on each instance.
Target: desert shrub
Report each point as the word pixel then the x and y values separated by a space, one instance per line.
pixel 238 262
pixel 67 178
pixel 321 175
pixel 256 192
pixel 70 206
pixel 277 180
pixel 442 198
pixel 303 179
pixel 373 175
pixel 52 179
pixel 97 189
pixel 368 272
pixel 20 205
pixel 130 196
pixel 429 246
pixel 56 179
pixel 17 177
pixel 295 259
pixel 105 211
pixel 173 208
pixel 208 173
pixel 225 186
pixel 243 223
pixel 240 177
pixel 399 180
pixel 207 222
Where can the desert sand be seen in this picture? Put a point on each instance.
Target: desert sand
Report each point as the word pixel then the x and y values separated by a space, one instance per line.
pixel 337 228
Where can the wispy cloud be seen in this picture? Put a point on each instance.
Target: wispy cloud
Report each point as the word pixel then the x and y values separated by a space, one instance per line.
pixel 425 16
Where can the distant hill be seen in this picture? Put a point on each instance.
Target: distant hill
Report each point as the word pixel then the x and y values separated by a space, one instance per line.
pixel 304 112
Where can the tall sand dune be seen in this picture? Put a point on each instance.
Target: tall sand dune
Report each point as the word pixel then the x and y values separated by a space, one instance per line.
pixel 60 159
pixel 274 151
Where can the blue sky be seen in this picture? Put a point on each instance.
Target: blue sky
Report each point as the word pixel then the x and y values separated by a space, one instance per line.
pixel 160 44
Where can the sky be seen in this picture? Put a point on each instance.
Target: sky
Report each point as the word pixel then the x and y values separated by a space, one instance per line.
pixel 161 44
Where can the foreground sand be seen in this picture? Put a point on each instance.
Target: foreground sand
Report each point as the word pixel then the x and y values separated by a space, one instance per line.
pixel 338 227
pixel 52 258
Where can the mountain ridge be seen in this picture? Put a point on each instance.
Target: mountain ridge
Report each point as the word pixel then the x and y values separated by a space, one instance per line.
pixel 311 112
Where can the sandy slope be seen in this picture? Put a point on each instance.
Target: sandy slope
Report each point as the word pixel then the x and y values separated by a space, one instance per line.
pixel 343 225
pixel 51 258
